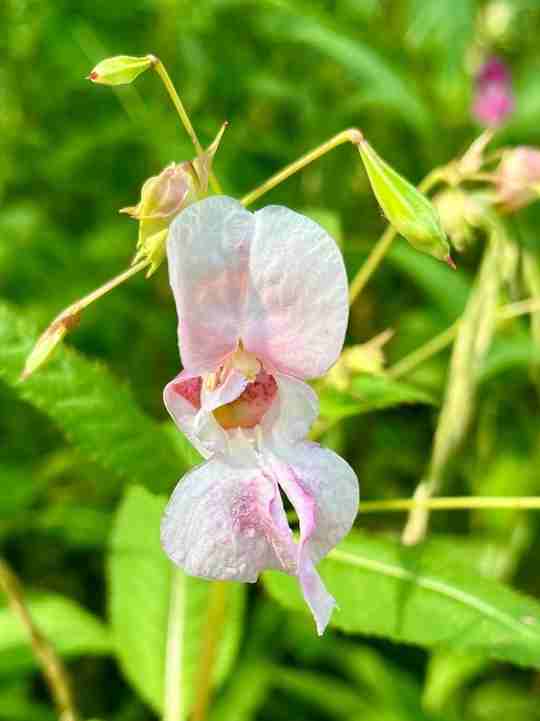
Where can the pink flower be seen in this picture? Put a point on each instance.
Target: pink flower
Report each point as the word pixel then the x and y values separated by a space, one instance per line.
pixel 493 100
pixel 262 306
pixel 518 178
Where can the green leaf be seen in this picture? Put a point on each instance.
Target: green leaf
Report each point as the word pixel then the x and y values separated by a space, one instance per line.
pixel 70 628
pixel 369 393
pixel 418 595
pixel 97 413
pixel 152 608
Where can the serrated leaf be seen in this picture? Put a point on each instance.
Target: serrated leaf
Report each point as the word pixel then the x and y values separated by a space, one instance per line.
pixel 72 630
pixel 369 393
pixel 143 589
pixel 97 412
pixel 418 595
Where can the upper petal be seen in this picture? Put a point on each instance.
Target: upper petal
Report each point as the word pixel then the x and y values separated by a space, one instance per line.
pixel 225 520
pixel 297 304
pixel 208 254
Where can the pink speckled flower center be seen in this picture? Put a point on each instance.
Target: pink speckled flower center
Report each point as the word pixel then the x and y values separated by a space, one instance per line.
pixel 190 390
pixel 249 408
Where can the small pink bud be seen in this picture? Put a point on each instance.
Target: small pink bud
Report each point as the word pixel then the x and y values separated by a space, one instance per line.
pixel 163 195
pixel 518 178
pixel 493 101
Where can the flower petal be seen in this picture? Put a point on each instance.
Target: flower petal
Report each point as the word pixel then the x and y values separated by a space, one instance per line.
pixel 332 484
pixel 233 386
pixel 208 254
pixel 293 412
pixel 226 520
pixel 297 305
pixel 323 490
pixel 201 429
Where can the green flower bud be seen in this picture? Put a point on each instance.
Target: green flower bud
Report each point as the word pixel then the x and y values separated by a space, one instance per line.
pixel 407 209
pixel 48 341
pixel 120 70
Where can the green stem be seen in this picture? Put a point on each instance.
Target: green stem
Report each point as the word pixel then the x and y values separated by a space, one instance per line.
pixel 351 135
pixel 455 503
pixel 172 707
pixel 444 339
pixel 53 669
pixel 214 627
pixel 418 356
pixel 184 117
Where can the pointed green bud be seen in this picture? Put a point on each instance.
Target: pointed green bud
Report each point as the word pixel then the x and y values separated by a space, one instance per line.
pixel 121 69
pixel 48 341
pixel 406 208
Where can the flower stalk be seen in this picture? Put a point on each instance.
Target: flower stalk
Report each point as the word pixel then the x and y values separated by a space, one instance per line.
pixel 51 665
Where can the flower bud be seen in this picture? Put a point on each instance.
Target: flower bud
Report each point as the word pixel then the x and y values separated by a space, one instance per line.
pixel 163 195
pixel 493 100
pixel 460 214
pixel 120 70
pixel 518 178
pixel 363 358
pixel 407 209
pixel 48 341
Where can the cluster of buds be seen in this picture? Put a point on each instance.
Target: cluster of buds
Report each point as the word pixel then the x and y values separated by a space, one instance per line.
pixel 355 360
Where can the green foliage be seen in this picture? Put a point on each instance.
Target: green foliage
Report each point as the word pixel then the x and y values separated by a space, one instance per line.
pixel 418 596
pixel 156 611
pixel 96 412
pixel 287 74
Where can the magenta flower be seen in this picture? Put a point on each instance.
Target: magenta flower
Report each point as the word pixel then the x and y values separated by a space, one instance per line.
pixel 493 101
pixel 262 306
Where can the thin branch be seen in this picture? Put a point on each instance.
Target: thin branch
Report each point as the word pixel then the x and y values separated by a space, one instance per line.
pixel 454 503
pixel 213 630
pixel 184 117
pixel 351 135
pixel 53 669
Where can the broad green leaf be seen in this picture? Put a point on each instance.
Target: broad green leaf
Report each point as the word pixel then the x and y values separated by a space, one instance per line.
pixel 96 411
pixel 154 610
pixel 70 628
pixel 369 393
pixel 419 595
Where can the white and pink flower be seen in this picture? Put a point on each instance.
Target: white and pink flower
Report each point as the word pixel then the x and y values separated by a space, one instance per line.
pixel 262 306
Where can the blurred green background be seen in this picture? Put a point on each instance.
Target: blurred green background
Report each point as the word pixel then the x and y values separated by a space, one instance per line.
pixel 287 76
